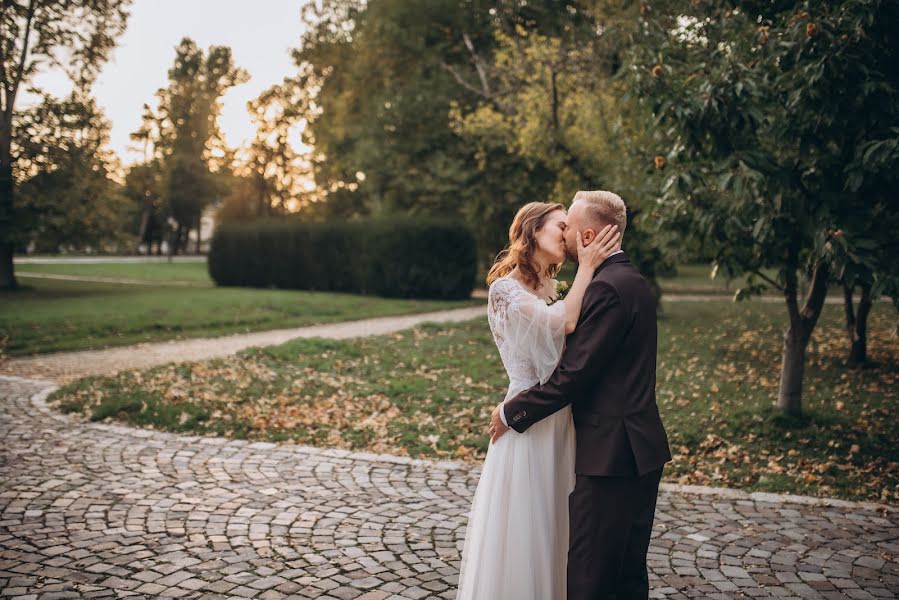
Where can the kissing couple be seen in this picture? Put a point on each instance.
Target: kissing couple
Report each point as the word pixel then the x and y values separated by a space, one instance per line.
pixel 566 500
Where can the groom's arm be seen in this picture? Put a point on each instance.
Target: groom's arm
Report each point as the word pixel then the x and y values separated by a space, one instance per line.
pixel 589 349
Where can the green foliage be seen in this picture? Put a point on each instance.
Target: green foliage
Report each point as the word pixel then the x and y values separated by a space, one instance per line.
pixel 776 123
pixel 378 82
pixel 67 198
pixel 773 124
pixel 77 36
pixel 143 189
pixel 183 133
pixel 550 96
pixel 399 257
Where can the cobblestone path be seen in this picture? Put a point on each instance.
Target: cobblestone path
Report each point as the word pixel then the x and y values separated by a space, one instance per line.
pixel 92 510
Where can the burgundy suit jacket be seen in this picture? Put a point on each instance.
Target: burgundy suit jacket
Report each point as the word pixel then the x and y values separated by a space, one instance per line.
pixel 607 374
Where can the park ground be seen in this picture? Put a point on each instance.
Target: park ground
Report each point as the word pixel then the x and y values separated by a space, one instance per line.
pixel 344 468
pixel 426 392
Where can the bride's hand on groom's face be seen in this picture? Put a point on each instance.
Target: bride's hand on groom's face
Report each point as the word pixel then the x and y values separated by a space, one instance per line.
pixel 496 429
pixel 605 243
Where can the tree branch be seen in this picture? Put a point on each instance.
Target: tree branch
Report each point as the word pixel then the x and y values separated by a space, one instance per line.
pixel 555 101
pixel 20 72
pixel 814 299
pixel 461 81
pixel 478 65
pixel 768 280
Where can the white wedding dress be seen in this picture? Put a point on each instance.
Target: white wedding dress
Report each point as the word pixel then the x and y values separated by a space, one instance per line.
pixel 516 545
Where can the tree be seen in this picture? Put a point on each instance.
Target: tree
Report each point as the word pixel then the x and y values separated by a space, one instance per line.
pixel 551 97
pixel 765 114
pixel 67 198
pixel 273 176
pixel 377 99
pixel 75 35
pixel 864 260
pixel 184 134
pixel 143 189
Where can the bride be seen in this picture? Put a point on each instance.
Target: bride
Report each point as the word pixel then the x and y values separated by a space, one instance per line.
pixel 516 545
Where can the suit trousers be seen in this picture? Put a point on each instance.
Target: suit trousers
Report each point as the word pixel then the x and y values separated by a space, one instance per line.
pixel 610 525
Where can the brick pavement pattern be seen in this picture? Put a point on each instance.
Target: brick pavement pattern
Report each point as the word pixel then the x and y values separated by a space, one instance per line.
pixel 95 510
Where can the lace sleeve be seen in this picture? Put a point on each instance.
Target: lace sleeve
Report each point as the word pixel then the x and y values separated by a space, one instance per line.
pixel 535 330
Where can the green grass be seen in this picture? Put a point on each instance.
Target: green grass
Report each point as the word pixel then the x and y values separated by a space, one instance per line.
pixel 696 279
pixel 428 393
pixel 51 315
pixel 689 279
pixel 195 273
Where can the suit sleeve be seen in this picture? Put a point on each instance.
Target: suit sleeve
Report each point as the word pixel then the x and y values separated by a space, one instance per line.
pixel 589 349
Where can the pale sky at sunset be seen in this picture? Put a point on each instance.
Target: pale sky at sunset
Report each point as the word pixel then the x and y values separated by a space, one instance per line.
pixel 260 35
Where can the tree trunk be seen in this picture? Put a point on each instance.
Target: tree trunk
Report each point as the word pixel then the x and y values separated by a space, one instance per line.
pixel 797 336
pixel 174 241
pixel 789 398
pixel 183 240
pixel 857 328
pixel 896 306
pixel 7 247
pixel 199 229
pixel 143 231
pixel 7 268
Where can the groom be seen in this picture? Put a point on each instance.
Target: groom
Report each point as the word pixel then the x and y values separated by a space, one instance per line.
pixel 607 374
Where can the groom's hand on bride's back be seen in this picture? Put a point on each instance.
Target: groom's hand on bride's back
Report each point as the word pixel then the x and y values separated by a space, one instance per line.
pixel 497 427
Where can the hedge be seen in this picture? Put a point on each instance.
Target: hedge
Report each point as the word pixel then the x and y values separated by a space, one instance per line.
pixel 398 258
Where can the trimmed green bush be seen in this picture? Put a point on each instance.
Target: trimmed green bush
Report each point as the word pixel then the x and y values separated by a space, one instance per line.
pixel 396 258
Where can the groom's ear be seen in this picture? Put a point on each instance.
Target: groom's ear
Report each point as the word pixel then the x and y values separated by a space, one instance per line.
pixel 588 236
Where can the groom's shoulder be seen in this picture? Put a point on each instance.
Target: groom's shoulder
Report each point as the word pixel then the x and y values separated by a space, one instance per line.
pixel 622 277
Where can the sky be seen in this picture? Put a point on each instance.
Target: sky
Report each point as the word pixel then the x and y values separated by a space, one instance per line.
pixel 260 35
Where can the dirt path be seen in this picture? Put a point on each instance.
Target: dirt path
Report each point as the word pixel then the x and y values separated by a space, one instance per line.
pixel 66 366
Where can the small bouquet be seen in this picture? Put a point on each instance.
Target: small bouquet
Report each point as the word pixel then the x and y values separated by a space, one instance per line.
pixel 562 288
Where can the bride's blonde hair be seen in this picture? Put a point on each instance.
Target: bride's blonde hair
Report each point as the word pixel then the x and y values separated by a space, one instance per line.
pixel 527 223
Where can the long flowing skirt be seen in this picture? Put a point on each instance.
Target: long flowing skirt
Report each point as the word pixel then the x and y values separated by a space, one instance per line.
pixel 516 545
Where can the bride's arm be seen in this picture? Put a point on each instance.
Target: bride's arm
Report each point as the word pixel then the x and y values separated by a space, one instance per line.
pixel 589 258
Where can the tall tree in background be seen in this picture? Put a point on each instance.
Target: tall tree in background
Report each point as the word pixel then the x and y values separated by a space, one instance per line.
pixel 777 123
pixel 551 97
pixel 142 188
pixel 75 35
pixel 184 133
pixel 143 185
pixel 467 109
pixel 377 104
pixel 272 180
pixel 66 196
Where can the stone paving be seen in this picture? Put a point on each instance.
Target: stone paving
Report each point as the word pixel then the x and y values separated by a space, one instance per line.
pixel 95 510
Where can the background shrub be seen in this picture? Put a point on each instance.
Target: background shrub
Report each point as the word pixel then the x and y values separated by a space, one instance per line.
pixel 399 258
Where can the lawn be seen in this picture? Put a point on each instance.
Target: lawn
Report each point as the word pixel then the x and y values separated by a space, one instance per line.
pixel 689 279
pixel 195 273
pixel 696 279
pixel 427 392
pixel 51 315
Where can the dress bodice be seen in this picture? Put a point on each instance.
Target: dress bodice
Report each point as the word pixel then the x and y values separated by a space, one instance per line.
pixel 529 334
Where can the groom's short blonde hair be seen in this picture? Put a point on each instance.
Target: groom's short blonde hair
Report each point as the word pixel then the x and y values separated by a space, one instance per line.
pixel 607 207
